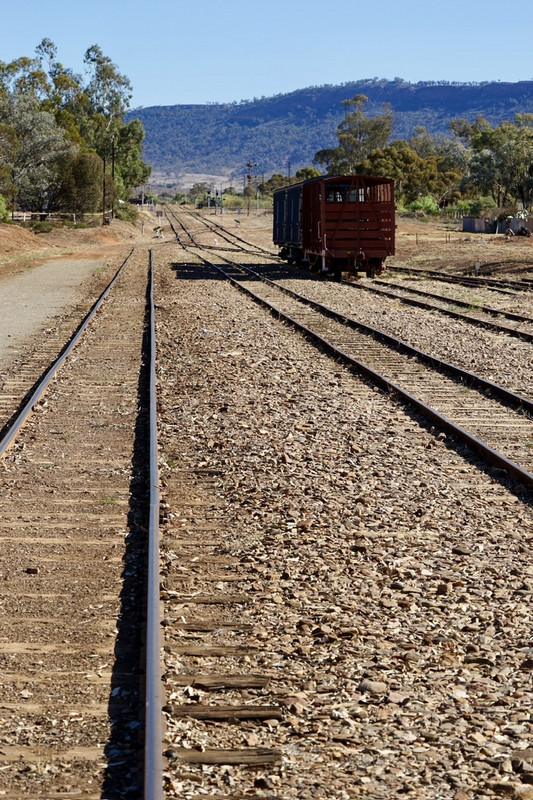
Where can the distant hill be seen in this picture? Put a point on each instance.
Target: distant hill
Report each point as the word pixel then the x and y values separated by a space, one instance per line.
pixel 218 139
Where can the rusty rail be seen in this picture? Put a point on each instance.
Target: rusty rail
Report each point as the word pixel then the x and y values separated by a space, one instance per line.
pixel 153 741
pixel 43 384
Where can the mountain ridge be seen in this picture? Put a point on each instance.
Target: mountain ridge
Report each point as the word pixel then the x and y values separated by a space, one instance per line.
pixel 283 132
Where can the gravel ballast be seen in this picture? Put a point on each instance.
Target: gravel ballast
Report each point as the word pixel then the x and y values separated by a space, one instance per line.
pixel 389 579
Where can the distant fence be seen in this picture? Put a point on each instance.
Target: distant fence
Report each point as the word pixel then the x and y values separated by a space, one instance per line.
pixel 43 216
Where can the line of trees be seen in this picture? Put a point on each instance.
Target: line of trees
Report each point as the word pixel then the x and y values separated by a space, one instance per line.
pixel 64 145
pixel 479 168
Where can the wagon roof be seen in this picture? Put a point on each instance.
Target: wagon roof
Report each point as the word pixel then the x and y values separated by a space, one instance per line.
pixel 368 180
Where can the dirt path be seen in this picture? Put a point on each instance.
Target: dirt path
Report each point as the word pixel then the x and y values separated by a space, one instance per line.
pixel 30 299
pixel 40 277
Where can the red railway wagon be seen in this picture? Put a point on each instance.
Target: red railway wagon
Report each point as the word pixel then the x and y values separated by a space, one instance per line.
pixel 336 224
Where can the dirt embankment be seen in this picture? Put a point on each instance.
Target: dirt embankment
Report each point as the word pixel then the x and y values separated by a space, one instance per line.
pixel 21 249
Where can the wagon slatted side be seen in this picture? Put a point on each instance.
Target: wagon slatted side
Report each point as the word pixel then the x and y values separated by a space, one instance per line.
pixel 370 231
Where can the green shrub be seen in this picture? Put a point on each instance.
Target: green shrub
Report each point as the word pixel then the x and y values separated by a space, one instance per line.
pixel 4 213
pixel 42 227
pixel 126 212
pixel 475 206
pixel 427 205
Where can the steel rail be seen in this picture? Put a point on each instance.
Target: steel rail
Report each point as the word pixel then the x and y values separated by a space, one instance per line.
pixel 492 456
pixel 153 762
pixel 481 323
pixel 500 285
pixel 495 312
pixel 43 384
pixel 153 741
pixel 226 234
pixel 209 228
pixel 175 232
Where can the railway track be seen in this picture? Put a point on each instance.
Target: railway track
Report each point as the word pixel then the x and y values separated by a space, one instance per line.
pixel 237 244
pixel 498 284
pixel 84 584
pixel 331 564
pixel 74 516
pixel 80 499
pixel 229 236
pixel 519 325
pixel 488 417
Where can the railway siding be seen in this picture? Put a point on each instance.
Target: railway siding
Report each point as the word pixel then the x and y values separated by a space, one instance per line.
pixel 449 400
pixel 494 356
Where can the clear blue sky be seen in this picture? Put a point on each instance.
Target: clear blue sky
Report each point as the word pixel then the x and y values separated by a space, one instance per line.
pixel 203 51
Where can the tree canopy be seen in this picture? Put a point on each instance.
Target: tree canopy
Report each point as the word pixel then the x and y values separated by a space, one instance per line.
pixel 358 135
pixel 502 160
pixel 475 160
pixel 59 133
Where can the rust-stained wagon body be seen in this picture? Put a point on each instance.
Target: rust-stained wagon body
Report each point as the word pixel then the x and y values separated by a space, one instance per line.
pixel 336 224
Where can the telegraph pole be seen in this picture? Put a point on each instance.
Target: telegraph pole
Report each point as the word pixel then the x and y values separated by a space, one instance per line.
pixel 249 176
pixel 113 174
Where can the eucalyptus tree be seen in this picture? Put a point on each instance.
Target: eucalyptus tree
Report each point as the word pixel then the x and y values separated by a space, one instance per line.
pixel 31 152
pixel 118 143
pixel 503 157
pixel 306 173
pixel 414 175
pixel 451 153
pixel 9 147
pixel 78 184
pixel 108 93
pixel 358 135
pixel 131 170
pixel 73 116
pixel 23 76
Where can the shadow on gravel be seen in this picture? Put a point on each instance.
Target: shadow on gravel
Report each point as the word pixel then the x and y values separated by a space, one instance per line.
pixel 275 272
pixel 124 754
pixel 195 272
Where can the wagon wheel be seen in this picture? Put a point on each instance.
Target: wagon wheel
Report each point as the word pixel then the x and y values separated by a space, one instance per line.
pixel 374 267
